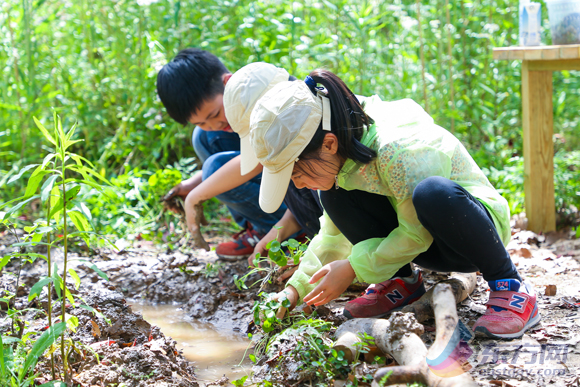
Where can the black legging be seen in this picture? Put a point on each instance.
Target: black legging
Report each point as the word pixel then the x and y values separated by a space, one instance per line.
pixel 464 236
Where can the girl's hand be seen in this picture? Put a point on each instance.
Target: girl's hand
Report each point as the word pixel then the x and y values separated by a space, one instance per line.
pixel 338 275
pixel 289 293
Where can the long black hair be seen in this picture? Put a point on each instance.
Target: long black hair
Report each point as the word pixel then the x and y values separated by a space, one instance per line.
pixel 348 123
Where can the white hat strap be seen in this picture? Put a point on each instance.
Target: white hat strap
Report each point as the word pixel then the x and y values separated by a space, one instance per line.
pixel 325 111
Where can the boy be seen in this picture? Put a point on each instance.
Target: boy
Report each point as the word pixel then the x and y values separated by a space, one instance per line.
pixel 191 88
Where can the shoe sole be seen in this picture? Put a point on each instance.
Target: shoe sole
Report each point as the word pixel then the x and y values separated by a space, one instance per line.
pixel 484 332
pixel 233 257
pixel 416 295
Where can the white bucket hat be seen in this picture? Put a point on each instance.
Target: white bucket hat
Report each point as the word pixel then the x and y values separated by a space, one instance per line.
pixel 242 91
pixel 282 124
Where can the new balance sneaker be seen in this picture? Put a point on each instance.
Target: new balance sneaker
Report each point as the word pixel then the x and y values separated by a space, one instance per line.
pixel 386 297
pixel 511 310
pixel 242 245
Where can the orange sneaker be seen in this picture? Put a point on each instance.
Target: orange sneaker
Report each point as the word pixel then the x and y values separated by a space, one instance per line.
pixel 242 245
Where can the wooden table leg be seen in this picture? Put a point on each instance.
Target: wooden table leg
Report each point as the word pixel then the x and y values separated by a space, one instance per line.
pixel 538 149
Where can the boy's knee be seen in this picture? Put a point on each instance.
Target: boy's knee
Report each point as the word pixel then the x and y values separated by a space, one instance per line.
pixel 197 140
pixel 213 163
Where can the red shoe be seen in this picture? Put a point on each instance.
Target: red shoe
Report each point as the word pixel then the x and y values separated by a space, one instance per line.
pixel 386 297
pixel 241 247
pixel 511 310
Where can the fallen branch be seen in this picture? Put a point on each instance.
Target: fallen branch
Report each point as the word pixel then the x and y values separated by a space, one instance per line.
pixel 399 337
pixel 462 285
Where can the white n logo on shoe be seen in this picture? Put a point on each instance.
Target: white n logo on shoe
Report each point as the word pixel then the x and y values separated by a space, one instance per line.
pixel 394 296
pixel 517 302
pixel 253 240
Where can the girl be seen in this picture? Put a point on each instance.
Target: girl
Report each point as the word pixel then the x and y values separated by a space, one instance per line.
pixel 399 188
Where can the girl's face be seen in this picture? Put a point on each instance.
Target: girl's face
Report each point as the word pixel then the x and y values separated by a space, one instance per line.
pixel 319 173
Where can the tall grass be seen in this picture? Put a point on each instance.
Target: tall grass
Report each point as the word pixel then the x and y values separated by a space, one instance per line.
pixel 97 61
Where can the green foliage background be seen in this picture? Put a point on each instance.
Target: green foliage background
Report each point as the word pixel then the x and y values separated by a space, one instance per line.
pixel 96 63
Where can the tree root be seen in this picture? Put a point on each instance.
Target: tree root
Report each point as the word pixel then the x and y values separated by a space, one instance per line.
pixel 462 285
pixel 399 337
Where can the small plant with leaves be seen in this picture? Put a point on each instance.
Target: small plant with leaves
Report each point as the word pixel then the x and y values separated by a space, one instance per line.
pixel 265 310
pixel 277 255
pixel 212 270
pixel 63 176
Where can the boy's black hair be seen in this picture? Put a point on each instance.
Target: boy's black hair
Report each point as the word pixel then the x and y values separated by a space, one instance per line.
pixel 191 78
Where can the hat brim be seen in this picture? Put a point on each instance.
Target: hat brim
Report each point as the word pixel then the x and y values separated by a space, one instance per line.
pixel 273 187
pixel 249 160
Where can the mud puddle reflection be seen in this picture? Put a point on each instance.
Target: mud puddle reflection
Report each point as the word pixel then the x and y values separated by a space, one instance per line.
pixel 214 354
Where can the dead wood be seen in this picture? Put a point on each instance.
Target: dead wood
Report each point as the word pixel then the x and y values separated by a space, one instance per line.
pixel 399 337
pixel 462 285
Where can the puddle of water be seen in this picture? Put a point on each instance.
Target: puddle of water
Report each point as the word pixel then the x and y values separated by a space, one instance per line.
pixel 214 354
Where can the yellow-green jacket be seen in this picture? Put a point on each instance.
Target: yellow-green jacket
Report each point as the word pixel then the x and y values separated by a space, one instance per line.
pixel 410 148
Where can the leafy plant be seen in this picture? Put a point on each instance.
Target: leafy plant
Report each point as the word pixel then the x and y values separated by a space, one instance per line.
pixel 64 174
pixel 265 310
pixel 17 367
pixel 277 255
pixel 211 270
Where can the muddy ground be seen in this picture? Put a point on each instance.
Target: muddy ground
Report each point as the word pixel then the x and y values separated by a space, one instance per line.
pixel 140 355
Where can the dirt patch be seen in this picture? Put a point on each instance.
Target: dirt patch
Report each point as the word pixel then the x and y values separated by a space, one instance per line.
pixel 117 347
pixel 549 354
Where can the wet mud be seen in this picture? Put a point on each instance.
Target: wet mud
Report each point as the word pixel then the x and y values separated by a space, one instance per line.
pixel 133 352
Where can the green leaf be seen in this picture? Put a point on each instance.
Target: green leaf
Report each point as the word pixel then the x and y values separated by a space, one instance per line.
pixel 21 172
pixel 57 281
pixel 70 297
pixel 36 238
pixel 2 366
pixel 47 187
pixel 95 312
pixel 72 322
pixel 274 246
pixel 79 220
pixel 43 342
pixel 55 207
pixel 53 384
pixel 34 181
pixel 47 159
pixel 72 192
pixel 70 132
pixel 99 272
pixel 75 277
pixel 5 260
pixel 44 131
pixel 18 206
pixel 37 287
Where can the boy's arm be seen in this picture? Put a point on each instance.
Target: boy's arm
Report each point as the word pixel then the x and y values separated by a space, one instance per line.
pixel 224 179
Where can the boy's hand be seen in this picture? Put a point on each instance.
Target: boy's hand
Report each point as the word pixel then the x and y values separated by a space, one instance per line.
pixel 337 276
pixel 194 217
pixel 181 190
pixel 259 249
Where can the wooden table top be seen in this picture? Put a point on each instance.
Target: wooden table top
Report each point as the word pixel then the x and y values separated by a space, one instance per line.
pixel 566 52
